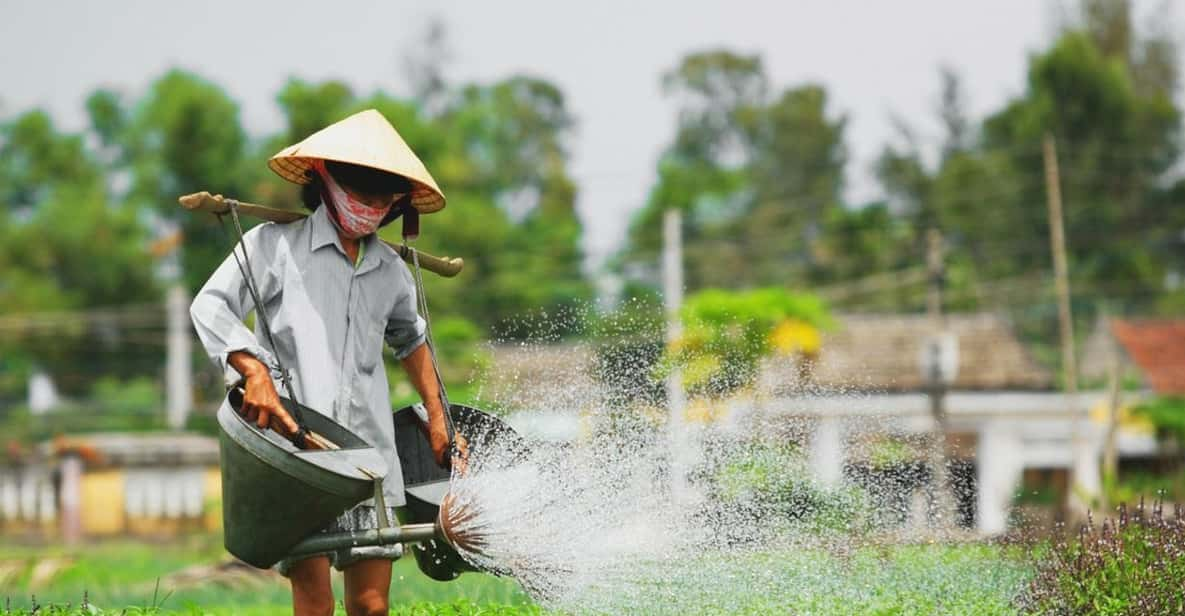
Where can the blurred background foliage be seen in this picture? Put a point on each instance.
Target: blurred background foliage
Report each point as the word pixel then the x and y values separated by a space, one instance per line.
pixel 759 172
pixel 91 235
pixel 727 333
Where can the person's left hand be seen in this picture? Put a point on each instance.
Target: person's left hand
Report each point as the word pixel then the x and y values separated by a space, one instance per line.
pixel 460 459
pixel 438 439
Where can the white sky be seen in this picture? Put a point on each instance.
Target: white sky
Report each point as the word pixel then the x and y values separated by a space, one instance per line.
pixel 876 57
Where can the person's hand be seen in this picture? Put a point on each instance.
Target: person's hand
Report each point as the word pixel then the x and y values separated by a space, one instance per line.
pixel 438 440
pixel 461 455
pixel 261 403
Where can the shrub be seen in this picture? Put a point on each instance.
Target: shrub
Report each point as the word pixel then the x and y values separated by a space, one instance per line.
pixel 1133 565
pixel 767 491
pixel 727 332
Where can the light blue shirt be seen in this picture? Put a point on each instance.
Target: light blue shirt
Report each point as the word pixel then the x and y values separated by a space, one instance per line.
pixel 329 320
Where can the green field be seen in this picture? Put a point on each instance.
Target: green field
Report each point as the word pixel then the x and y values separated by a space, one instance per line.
pixel 122 577
pixel 117 575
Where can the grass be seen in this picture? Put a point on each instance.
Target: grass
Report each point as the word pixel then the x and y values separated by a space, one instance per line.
pixel 906 580
pixel 123 574
pixel 120 577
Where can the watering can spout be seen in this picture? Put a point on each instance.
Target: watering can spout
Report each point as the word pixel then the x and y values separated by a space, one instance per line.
pixel 326 542
pixel 454 524
pixel 449 528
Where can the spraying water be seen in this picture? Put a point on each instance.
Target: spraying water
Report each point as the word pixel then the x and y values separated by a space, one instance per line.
pixel 592 525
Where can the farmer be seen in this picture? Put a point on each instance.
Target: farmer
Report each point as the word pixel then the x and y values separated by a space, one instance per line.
pixel 333 293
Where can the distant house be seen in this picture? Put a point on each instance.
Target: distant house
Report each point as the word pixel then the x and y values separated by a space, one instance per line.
pixel 108 484
pixel 882 353
pixel 1152 350
pixel 1011 429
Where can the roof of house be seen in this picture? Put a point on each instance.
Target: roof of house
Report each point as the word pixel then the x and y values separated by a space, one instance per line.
pixel 866 352
pixel 1157 346
pixel 883 352
pixel 136 448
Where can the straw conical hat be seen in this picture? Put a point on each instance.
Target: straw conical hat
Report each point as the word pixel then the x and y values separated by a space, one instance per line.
pixel 367 139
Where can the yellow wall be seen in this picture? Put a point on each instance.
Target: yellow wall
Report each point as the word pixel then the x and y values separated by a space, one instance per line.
pixel 213 490
pixel 103 508
pixel 102 502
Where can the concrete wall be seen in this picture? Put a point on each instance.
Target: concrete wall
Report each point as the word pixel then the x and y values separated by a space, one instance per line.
pixel 104 502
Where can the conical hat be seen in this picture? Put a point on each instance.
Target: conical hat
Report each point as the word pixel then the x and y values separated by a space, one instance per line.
pixel 367 139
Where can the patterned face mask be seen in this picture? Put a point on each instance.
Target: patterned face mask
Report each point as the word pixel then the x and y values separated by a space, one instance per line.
pixel 354 218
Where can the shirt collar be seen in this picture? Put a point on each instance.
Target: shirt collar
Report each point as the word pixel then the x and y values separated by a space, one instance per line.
pixel 324 233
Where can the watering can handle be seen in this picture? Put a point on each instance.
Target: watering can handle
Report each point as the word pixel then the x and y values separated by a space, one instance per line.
pixel 305 439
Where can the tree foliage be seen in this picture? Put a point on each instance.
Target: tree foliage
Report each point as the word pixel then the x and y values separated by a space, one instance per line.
pixel 64 245
pixel 1103 91
pixel 726 334
pixel 80 213
pixel 757 176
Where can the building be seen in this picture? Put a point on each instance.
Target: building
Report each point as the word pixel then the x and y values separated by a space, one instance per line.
pixel 1150 350
pixel 108 484
pixel 1011 432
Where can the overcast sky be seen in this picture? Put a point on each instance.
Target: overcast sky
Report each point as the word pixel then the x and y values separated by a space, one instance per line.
pixel 876 58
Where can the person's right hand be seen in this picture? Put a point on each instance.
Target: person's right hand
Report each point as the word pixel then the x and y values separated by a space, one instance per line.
pixel 261 403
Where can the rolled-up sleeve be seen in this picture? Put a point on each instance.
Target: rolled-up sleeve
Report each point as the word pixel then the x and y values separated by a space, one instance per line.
pixel 219 308
pixel 406 330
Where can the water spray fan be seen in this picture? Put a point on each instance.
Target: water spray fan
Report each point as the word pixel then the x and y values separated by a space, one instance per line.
pixel 279 490
pixel 428 487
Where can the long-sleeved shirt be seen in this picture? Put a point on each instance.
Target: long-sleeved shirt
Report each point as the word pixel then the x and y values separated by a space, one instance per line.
pixel 329 319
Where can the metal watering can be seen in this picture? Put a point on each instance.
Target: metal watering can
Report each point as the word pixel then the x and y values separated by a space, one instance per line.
pixel 275 497
pixel 426 485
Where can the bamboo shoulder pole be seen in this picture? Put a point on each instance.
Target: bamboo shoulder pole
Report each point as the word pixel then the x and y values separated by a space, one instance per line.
pixel 217 204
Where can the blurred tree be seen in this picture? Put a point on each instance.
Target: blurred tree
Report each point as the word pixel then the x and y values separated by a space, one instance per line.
pixel 503 156
pixel 797 168
pixel 1105 91
pixel 64 246
pixel 1150 57
pixel 755 177
pixel 184 136
pixel 703 171
pixel 1113 144
pixel 36 161
pixel 726 334
pixel 425 64
pixel 310 107
pixel 857 242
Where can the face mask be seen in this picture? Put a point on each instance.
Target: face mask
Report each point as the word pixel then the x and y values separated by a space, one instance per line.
pixel 354 218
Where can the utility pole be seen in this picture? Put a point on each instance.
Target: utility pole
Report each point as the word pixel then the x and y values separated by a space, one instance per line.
pixel 1085 476
pixel 672 292
pixel 178 371
pixel 937 272
pixel 942 506
pixel 1114 399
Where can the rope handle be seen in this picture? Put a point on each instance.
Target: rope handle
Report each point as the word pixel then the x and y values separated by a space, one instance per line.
pixel 245 270
pixel 422 300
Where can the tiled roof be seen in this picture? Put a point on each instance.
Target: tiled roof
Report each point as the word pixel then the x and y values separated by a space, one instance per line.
pixel 872 352
pixel 137 448
pixel 865 352
pixel 1157 346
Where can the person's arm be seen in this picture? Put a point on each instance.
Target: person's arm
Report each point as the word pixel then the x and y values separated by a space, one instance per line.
pixel 420 371
pixel 406 334
pixel 218 311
